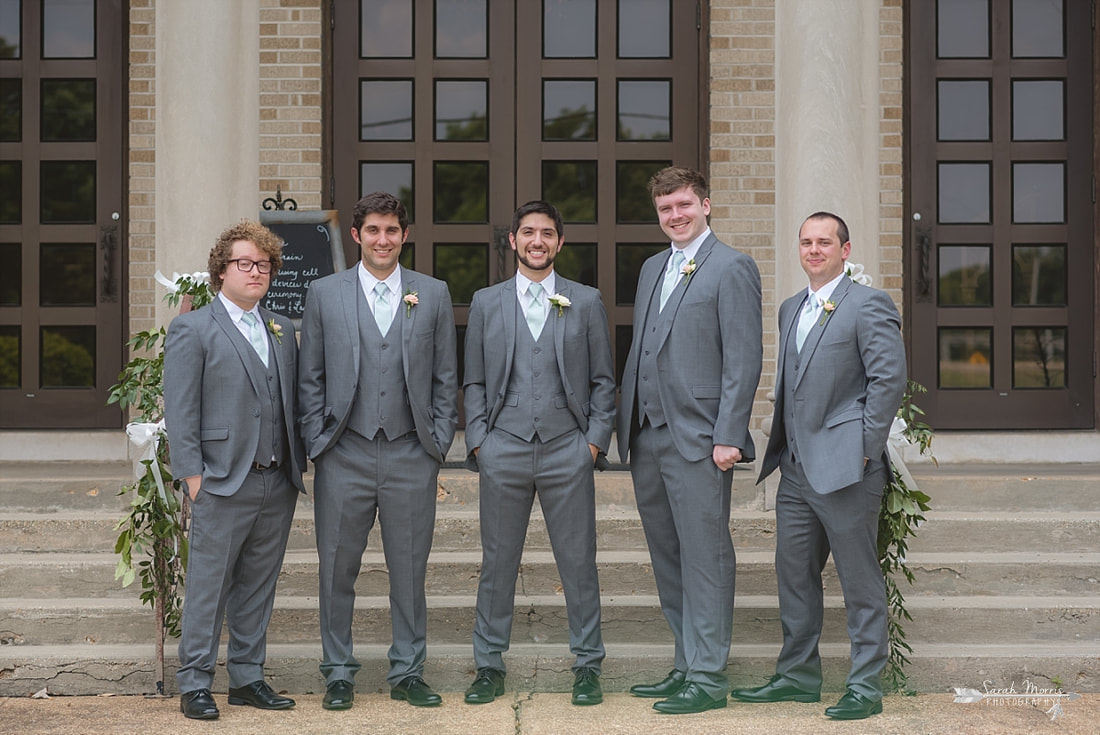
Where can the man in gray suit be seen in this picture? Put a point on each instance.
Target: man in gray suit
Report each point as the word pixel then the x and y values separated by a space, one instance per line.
pixel 540 401
pixel 229 375
pixel 688 389
pixel 378 394
pixel 839 381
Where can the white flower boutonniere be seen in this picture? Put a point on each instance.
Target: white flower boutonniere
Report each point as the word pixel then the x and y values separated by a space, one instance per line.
pixel 411 300
pixel 561 302
pixel 276 330
pixel 828 308
pixel 687 269
pixel 855 272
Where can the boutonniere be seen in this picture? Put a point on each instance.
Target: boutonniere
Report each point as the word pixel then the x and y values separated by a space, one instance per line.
pixel 411 300
pixel 276 330
pixel 828 308
pixel 561 302
pixel 687 269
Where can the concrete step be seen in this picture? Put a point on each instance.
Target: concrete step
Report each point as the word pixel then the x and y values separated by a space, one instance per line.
pixel 542 619
pixel 1028 487
pixel 45 576
pixel 87 669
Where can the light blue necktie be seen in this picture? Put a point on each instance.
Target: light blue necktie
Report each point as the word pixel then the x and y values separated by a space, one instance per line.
pixel 256 335
pixel 383 315
pixel 536 314
pixel 806 320
pixel 672 275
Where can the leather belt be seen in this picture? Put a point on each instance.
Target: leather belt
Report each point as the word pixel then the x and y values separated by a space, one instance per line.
pixel 260 467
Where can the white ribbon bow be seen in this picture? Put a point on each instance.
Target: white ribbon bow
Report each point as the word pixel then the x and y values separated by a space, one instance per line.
pixel 173 284
pixel 147 436
pixel 894 445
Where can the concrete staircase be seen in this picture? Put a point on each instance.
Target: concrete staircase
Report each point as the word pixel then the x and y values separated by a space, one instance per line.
pixel 1007 588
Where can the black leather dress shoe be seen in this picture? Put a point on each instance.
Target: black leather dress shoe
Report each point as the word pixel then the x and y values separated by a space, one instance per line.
pixel 664 688
pixel 586 687
pixel 487 686
pixel 339 695
pixel 198 705
pixel 775 691
pixel 259 694
pixel 689 700
pixel 416 692
pixel 853 706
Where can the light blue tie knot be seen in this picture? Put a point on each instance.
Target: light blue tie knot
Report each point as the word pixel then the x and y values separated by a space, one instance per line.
pixel 383 314
pixel 806 320
pixel 256 336
pixel 672 276
pixel 536 313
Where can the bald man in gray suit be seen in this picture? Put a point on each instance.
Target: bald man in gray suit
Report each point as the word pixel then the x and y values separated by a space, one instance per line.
pixel 839 382
pixel 688 390
pixel 229 375
pixel 378 393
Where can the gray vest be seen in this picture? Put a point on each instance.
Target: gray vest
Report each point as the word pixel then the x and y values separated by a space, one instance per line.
pixel 791 362
pixel 382 401
pixel 272 443
pixel 649 399
pixel 534 401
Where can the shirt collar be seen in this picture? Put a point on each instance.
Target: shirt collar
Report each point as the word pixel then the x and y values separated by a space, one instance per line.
pixel 236 312
pixel 548 284
pixel 826 291
pixel 692 247
pixel 368 281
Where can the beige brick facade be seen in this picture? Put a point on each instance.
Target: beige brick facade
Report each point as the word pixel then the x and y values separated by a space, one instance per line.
pixel 141 166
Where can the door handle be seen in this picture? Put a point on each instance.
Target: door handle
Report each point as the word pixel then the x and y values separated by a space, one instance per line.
pixel 108 242
pixel 924 279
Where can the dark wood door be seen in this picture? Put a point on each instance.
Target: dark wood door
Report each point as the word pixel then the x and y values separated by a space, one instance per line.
pixel 61 212
pixel 1000 274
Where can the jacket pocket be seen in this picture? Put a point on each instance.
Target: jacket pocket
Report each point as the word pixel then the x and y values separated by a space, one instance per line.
pixel 210 435
pixel 840 417
pixel 706 391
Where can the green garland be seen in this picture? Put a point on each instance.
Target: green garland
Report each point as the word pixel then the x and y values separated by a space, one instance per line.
pixel 154 530
pixel 900 516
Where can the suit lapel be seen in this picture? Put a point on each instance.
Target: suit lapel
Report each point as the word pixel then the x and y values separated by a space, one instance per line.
pixel 244 350
pixel 408 313
pixel 677 295
pixel 350 291
pixel 559 320
pixel 285 384
pixel 508 308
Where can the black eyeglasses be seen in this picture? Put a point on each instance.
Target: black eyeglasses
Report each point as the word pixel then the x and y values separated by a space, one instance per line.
pixel 246 265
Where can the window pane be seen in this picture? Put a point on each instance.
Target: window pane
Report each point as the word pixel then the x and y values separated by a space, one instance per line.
pixel 1038 275
pixel 1039 357
pixel 68 109
pixel 568 28
pixel 962 29
pixel 1038 110
pixel 385 28
pixel 963 109
pixel 68 29
pixel 460 191
pixel 645 110
pixel 1037 29
pixel 577 261
pixel 569 109
pixel 632 201
pixel 964 358
pixel 1038 192
pixel 461 29
pixel 645 28
pixel 11 255
pixel 11 109
pixel 394 177
pixel 11 192
pixel 68 192
pixel 964 193
pixel 628 264
pixel 66 274
pixel 10 36
pixel 461 110
pixel 10 356
pixel 964 276
pixel 67 358
pixel 386 109
pixel 571 187
pixel 465 268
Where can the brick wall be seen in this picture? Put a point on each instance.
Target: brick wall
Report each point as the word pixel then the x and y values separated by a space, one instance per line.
pixel 141 166
pixel 891 180
pixel 290 100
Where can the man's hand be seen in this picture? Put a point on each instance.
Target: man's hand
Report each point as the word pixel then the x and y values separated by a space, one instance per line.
pixel 725 457
pixel 193 485
pixel 595 452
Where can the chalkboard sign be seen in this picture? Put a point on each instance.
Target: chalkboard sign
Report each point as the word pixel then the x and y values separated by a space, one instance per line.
pixel 311 250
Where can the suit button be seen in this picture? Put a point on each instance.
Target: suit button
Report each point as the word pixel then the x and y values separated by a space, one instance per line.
pixel 537 373
pixel 538 350
pixel 382 393
pixel 538 396
pixel 385 346
pixel 255 413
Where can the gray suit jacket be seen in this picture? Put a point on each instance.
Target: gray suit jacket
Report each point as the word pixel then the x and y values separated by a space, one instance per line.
pixel 849 384
pixel 212 399
pixel 583 350
pixel 709 353
pixel 329 375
